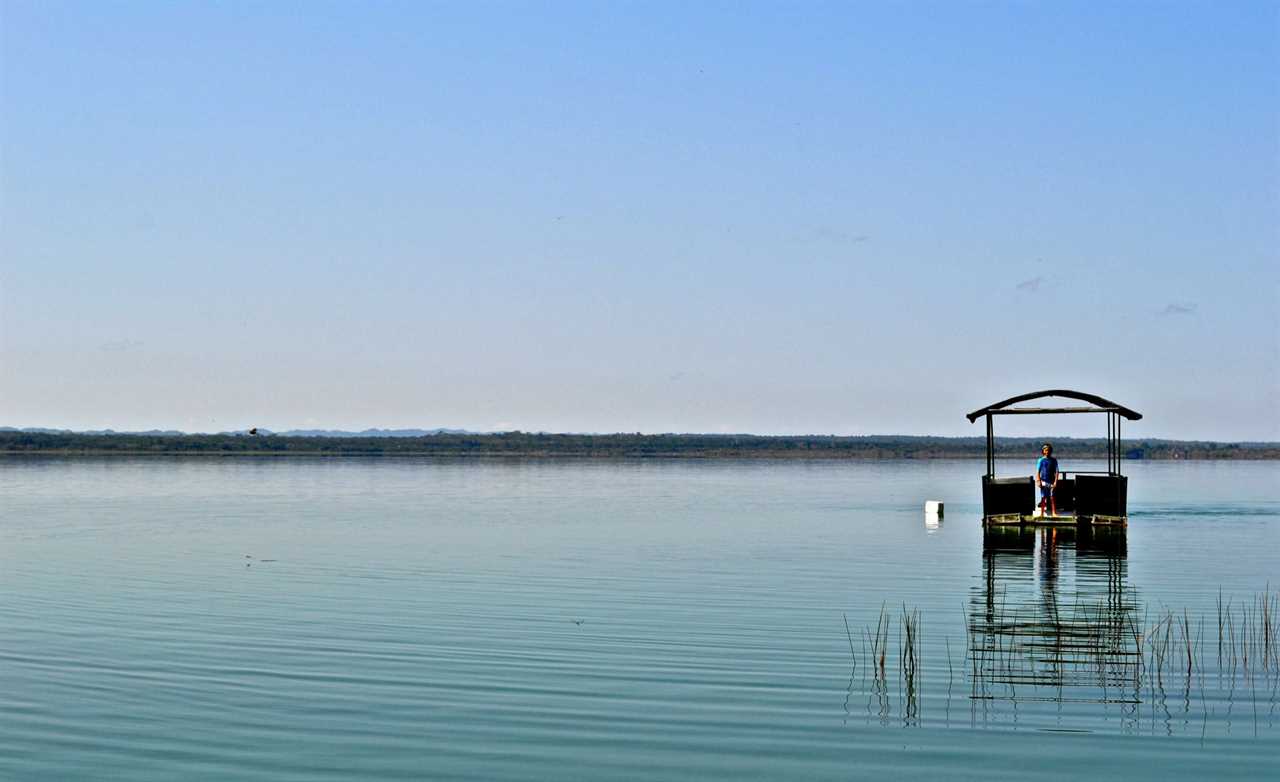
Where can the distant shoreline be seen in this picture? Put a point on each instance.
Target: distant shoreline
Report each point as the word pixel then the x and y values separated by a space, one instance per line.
pixel 613 446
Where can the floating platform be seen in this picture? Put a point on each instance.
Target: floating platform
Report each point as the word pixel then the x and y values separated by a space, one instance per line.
pixel 1038 520
pixel 1084 497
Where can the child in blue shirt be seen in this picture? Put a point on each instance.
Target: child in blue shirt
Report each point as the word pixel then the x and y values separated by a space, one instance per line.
pixel 1047 478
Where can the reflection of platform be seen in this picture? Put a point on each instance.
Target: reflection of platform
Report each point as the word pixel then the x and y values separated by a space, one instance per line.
pixel 1053 617
pixel 1035 520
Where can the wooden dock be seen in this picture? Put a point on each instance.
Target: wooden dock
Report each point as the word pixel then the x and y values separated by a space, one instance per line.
pixel 1085 497
pixel 1046 520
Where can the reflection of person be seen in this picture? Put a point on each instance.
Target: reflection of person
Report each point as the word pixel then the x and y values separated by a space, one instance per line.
pixel 1047 479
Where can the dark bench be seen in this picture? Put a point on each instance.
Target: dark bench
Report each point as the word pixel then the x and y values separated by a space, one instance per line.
pixel 1008 495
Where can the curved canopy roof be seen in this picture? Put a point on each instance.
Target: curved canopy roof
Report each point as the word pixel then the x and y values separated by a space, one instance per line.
pixel 1100 405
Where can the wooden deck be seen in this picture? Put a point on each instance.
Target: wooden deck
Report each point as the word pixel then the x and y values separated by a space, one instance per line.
pixel 1037 520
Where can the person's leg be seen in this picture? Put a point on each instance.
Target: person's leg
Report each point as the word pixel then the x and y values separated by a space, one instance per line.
pixel 1053 503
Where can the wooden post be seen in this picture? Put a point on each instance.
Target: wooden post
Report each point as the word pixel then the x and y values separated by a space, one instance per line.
pixel 991 449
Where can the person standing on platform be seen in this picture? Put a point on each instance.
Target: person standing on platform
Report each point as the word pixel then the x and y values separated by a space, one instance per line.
pixel 1047 479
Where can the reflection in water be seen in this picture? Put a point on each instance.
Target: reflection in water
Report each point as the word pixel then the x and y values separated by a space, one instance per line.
pixel 1054 618
pixel 1054 623
pixel 1058 640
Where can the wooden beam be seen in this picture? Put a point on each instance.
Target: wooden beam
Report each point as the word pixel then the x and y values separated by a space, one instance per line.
pixel 1062 393
pixel 1049 410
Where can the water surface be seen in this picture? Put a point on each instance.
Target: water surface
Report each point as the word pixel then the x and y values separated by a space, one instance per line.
pixel 398 618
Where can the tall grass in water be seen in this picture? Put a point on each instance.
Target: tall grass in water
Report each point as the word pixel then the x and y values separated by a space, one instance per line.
pixel 1092 653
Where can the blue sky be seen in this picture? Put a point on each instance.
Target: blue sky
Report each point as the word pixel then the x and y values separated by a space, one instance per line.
pixel 776 218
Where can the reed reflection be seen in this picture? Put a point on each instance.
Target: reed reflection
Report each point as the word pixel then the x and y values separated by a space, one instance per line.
pixel 1054 617
pixel 1058 639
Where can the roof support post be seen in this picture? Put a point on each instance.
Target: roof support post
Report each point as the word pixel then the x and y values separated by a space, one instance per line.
pixel 991 449
pixel 1118 445
pixel 1111 455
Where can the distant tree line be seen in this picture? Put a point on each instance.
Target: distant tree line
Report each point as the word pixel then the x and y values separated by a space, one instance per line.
pixel 696 446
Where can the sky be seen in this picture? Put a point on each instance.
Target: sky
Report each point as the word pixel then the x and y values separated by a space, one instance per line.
pixel 779 218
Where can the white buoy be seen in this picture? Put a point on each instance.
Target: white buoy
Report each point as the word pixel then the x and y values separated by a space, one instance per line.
pixel 932 515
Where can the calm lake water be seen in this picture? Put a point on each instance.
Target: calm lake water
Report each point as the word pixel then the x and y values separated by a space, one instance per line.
pixel 406 619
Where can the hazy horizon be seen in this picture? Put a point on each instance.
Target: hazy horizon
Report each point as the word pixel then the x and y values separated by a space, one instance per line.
pixel 1046 433
pixel 828 218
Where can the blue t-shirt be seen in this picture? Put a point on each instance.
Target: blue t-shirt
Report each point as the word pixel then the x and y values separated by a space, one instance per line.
pixel 1047 469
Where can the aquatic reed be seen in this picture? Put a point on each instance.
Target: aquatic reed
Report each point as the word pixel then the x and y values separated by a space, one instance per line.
pixel 1128 657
